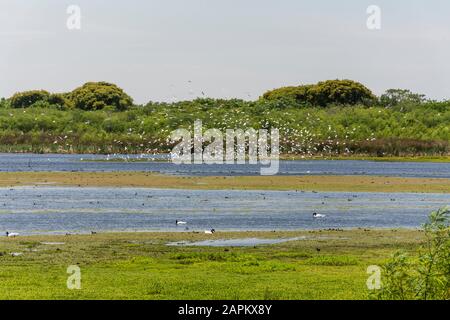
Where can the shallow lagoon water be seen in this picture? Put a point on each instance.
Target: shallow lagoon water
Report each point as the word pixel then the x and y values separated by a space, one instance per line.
pixel 59 210
pixel 96 163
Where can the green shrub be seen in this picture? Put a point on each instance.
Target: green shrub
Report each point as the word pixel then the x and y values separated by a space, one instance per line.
pixel 28 98
pixel 299 94
pixel 426 276
pixel 4 103
pixel 395 97
pixel 325 93
pixel 99 95
pixel 59 101
pixel 39 99
pixel 340 92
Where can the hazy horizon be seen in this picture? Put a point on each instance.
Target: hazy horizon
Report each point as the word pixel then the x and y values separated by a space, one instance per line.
pixel 165 50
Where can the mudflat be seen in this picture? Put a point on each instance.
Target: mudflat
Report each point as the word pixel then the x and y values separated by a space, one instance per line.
pixel 151 180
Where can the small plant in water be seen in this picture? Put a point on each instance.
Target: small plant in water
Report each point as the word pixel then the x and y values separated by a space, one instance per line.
pixel 426 276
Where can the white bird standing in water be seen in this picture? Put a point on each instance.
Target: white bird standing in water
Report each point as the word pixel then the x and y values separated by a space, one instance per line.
pixel 11 235
pixel 318 216
pixel 179 223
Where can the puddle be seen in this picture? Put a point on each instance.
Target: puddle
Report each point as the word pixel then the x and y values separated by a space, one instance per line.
pixel 53 243
pixel 248 242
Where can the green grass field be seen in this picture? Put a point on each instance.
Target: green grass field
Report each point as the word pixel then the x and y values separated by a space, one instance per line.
pixel 142 266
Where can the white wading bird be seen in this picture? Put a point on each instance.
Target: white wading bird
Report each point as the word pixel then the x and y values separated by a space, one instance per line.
pixel 11 235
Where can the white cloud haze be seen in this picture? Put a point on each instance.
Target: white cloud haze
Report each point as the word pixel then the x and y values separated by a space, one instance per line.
pixel 226 48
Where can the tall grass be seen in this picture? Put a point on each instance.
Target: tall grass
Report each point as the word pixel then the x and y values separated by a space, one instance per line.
pixel 336 130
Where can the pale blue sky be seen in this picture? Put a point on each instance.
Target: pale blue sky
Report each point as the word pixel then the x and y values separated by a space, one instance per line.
pixel 227 48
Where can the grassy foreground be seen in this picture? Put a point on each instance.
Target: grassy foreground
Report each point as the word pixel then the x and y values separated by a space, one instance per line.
pixel 142 266
pixel 149 180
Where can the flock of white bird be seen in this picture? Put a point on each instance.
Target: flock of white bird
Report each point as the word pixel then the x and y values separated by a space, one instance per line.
pixel 178 223
pixel 315 137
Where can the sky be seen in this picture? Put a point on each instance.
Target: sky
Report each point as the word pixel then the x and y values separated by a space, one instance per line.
pixel 169 50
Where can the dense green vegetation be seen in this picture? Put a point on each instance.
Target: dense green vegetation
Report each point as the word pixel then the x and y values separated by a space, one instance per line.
pixel 28 98
pixel 426 276
pixel 325 93
pixel 96 96
pixel 100 118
